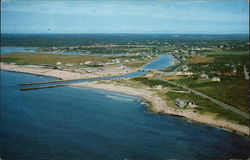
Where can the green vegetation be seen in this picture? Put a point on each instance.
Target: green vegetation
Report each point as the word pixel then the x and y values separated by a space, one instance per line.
pixel 205 106
pixel 152 82
pixel 27 58
pixel 136 64
pixel 229 67
pixel 199 59
pixel 223 63
pixel 104 49
pixel 220 52
pixel 129 83
pixel 47 58
pixel 214 55
pixel 230 90
pixel 209 107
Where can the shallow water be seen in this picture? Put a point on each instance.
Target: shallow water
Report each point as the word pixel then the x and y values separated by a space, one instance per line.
pixel 161 63
pixel 83 123
pixel 9 50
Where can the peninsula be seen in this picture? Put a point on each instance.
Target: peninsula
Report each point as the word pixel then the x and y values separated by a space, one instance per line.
pixel 198 69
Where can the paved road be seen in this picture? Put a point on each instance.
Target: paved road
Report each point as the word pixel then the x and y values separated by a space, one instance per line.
pixel 246 73
pixel 226 106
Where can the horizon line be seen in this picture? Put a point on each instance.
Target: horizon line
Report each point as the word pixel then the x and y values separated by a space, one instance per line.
pixel 142 33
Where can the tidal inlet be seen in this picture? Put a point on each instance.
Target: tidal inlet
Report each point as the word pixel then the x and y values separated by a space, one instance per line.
pixel 124 80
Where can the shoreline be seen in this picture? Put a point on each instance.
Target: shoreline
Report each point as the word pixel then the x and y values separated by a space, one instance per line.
pixel 56 73
pixel 157 105
pixel 66 74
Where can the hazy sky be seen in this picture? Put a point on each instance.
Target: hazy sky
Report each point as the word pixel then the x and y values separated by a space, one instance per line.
pixel 127 16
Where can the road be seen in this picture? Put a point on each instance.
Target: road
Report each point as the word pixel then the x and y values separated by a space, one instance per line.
pixel 226 106
pixel 246 73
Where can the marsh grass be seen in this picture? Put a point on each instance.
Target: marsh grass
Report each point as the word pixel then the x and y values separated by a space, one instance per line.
pixel 23 58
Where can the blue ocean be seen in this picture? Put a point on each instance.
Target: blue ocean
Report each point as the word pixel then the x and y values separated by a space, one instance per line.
pixel 71 123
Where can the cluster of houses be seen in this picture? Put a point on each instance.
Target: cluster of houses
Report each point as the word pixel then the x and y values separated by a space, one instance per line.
pixel 160 87
pixel 65 49
pixel 60 65
pixel 205 77
pixel 111 62
pixel 184 103
pixel 191 51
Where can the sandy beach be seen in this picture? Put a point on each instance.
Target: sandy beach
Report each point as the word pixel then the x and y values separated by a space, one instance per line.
pixel 66 74
pixel 158 105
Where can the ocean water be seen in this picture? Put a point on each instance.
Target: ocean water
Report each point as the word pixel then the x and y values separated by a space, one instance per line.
pixel 69 123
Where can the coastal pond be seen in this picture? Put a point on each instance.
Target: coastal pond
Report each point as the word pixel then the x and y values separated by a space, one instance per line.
pixel 161 63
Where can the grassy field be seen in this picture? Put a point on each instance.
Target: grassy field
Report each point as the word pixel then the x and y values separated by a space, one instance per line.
pixel 48 58
pixel 230 90
pixel 172 77
pixel 209 107
pixel 199 59
pixel 233 88
pixel 220 52
pixel 205 106
pixel 152 82
pixel 137 64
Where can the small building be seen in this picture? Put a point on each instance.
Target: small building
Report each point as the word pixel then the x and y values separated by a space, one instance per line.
pixel 122 67
pixel 204 76
pixel 185 68
pixel 88 62
pixel 214 72
pixel 69 64
pixel 216 79
pixel 183 102
pixel 160 87
pixel 58 63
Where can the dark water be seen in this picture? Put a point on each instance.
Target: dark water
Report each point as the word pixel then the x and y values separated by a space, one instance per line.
pixel 82 123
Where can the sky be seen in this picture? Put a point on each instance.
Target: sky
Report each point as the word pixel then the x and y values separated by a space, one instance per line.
pixel 127 16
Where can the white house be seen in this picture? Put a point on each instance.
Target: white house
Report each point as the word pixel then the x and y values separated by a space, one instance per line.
pixel 204 76
pixel 216 79
pixel 183 102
